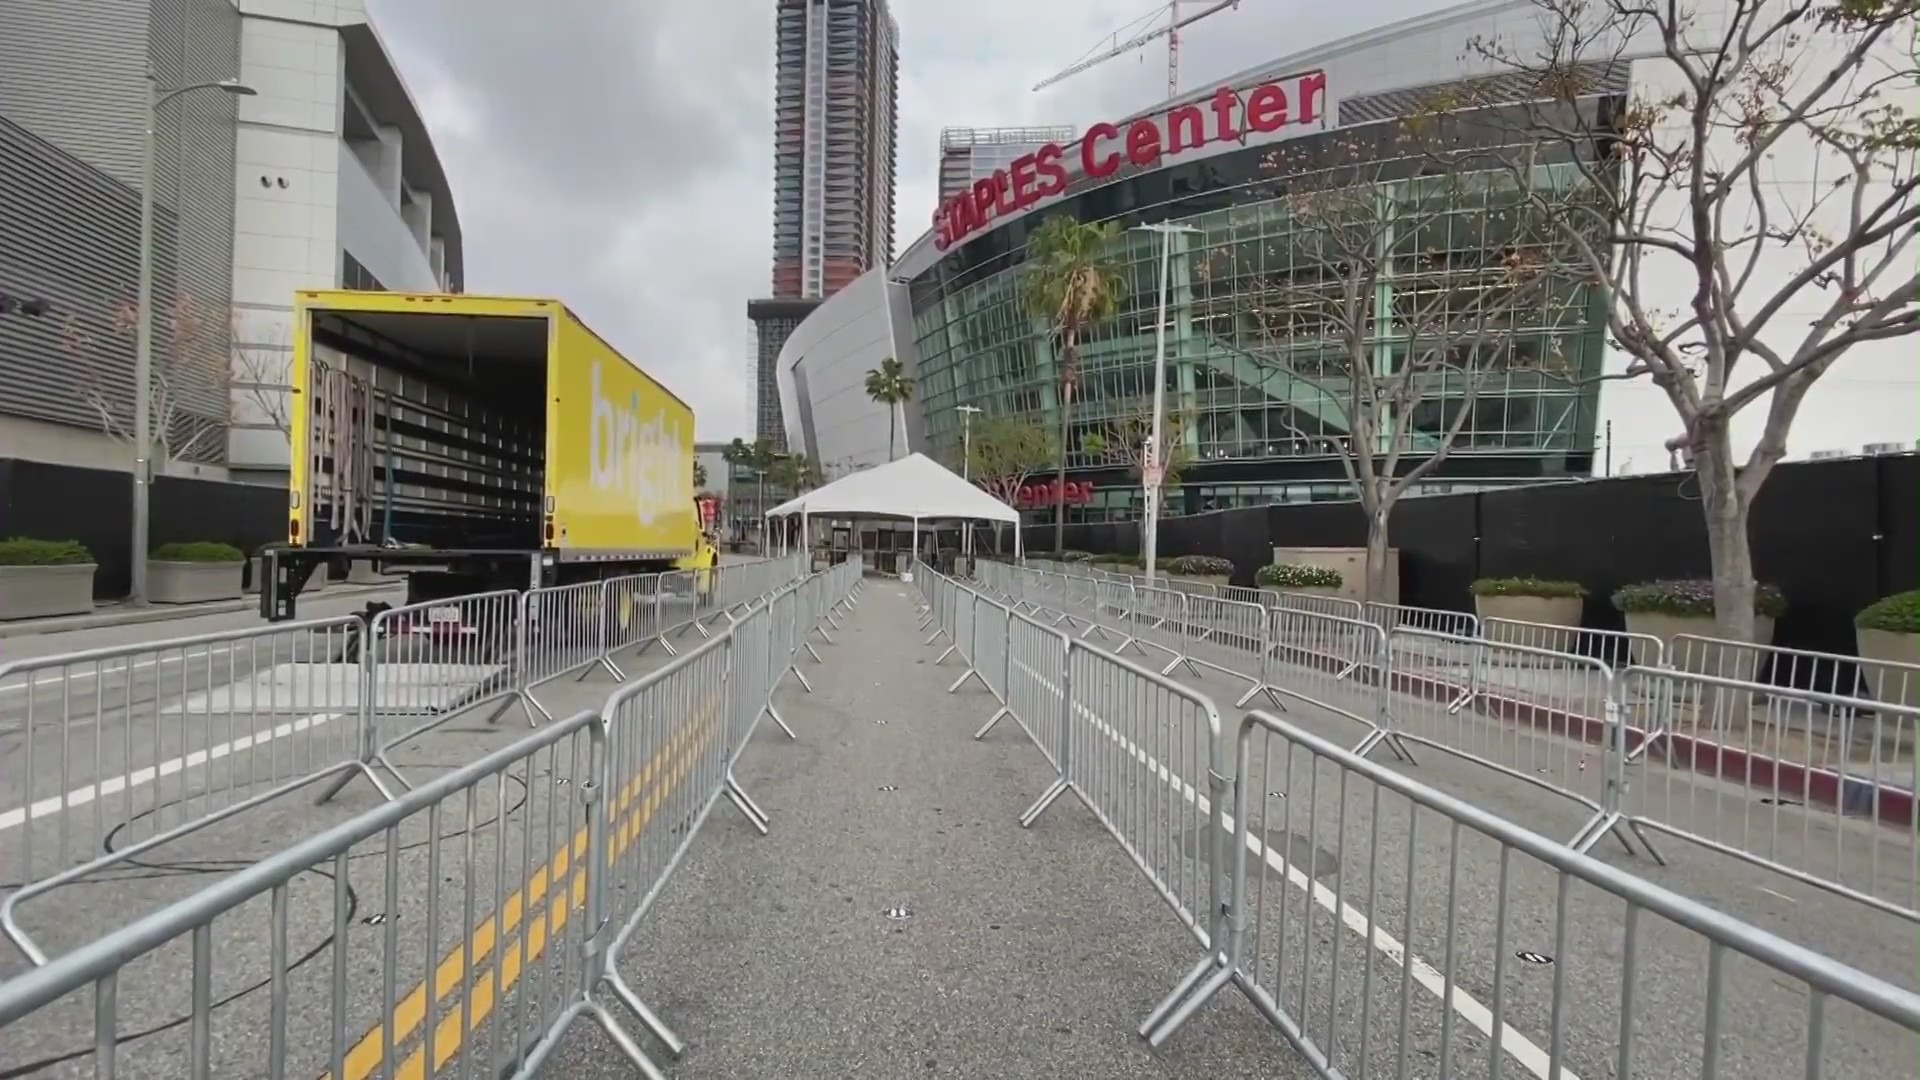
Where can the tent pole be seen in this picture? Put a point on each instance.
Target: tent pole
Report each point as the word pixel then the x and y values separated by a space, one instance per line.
pixel 914 556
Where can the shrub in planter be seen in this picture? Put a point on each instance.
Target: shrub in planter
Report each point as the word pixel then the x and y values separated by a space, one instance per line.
pixel 1887 631
pixel 44 577
pixel 194 572
pixel 1527 600
pixel 1293 577
pixel 1207 568
pixel 1074 556
pixel 1665 609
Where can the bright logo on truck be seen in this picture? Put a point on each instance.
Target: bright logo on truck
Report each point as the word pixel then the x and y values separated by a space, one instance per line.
pixel 637 458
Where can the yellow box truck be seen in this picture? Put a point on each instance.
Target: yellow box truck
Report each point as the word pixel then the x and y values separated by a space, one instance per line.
pixel 475 443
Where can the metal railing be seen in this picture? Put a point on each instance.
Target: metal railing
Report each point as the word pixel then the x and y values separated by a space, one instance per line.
pixel 122 750
pixel 1363 910
pixel 1114 732
pixel 541 857
pixel 1816 784
pixel 1326 940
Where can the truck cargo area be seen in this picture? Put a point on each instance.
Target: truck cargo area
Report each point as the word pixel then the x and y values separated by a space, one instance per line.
pixel 426 429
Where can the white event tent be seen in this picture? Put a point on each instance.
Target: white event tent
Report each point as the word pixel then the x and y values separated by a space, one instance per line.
pixel 916 488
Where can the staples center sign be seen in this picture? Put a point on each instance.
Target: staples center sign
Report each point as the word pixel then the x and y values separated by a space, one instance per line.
pixel 1280 109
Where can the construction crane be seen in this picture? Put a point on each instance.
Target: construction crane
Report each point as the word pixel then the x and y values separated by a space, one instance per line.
pixel 1171 32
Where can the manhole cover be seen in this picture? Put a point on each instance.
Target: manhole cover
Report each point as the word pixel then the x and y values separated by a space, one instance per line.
pixel 1534 957
pixel 899 914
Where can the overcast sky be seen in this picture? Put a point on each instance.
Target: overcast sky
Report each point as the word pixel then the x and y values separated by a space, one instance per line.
pixel 617 154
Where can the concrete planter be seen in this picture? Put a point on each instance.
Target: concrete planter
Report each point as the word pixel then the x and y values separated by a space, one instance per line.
pixel 35 592
pixel 1699 658
pixel 1200 579
pixel 192 582
pixel 1889 687
pixel 1306 590
pixel 1544 610
pixel 1350 563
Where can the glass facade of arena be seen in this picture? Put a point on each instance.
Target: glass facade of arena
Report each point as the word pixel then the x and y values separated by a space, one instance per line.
pixel 1257 431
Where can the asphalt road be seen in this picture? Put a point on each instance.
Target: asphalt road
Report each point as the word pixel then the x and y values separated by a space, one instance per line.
pixel 1012 953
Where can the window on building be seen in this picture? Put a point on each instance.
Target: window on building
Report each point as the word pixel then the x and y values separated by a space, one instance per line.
pixel 354 275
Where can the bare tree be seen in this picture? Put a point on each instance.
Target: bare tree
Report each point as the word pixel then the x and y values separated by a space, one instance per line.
pixel 182 372
pixel 1382 303
pixel 263 373
pixel 1123 441
pixel 1723 286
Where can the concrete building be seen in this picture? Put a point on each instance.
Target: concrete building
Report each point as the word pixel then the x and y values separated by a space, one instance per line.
pixel 1259 429
pixel 836 111
pixel 324 177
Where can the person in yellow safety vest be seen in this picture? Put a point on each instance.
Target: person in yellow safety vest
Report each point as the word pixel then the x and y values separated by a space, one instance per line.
pixel 705 560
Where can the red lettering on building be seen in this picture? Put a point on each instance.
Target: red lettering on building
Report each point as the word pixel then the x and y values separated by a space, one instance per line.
pixel 1092 162
pixel 1079 493
pixel 1296 101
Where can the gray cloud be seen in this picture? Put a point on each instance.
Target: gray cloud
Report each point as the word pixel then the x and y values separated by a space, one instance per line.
pixel 617 155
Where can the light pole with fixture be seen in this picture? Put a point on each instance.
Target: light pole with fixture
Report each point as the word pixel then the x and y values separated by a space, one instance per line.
pixel 143 329
pixel 966 465
pixel 1151 469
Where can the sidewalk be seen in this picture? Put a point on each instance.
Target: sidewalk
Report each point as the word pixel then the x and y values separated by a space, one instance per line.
pixel 1027 953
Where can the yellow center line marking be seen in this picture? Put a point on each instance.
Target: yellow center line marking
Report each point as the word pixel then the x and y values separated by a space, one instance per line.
pixel 673 761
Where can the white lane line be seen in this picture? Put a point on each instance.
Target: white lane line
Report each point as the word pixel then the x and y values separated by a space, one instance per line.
pixel 13 819
pixel 43 681
pixel 1522 1049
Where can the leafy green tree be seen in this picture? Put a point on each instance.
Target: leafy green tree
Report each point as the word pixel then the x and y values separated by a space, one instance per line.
pixel 889 385
pixel 1003 452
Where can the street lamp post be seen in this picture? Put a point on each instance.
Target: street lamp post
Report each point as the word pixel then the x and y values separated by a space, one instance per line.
pixel 1151 461
pixel 966 466
pixel 143 330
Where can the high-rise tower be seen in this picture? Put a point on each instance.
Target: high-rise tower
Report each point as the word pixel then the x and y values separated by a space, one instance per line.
pixel 835 111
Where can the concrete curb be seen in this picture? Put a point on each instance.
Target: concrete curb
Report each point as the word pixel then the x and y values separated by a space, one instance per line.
pixel 67 624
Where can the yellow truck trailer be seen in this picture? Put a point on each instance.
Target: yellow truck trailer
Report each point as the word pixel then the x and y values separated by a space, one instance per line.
pixel 476 443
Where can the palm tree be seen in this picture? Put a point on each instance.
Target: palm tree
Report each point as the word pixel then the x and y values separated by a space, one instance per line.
pixel 1071 282
pixel 889 386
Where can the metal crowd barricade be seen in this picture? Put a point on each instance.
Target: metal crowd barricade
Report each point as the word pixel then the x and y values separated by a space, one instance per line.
pixel 1236 627
pixel 1362 939
pixel 562 632
pixel 630 613
pixel 1336 664
pixel 541 859
pixel 989 656
pixel 431 662
pixel 1615 648
pixel 1560 731
pixel 1129 744
pixel 1817 786
pixel 1163 620
pixel 1319 604
pixel 120 750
